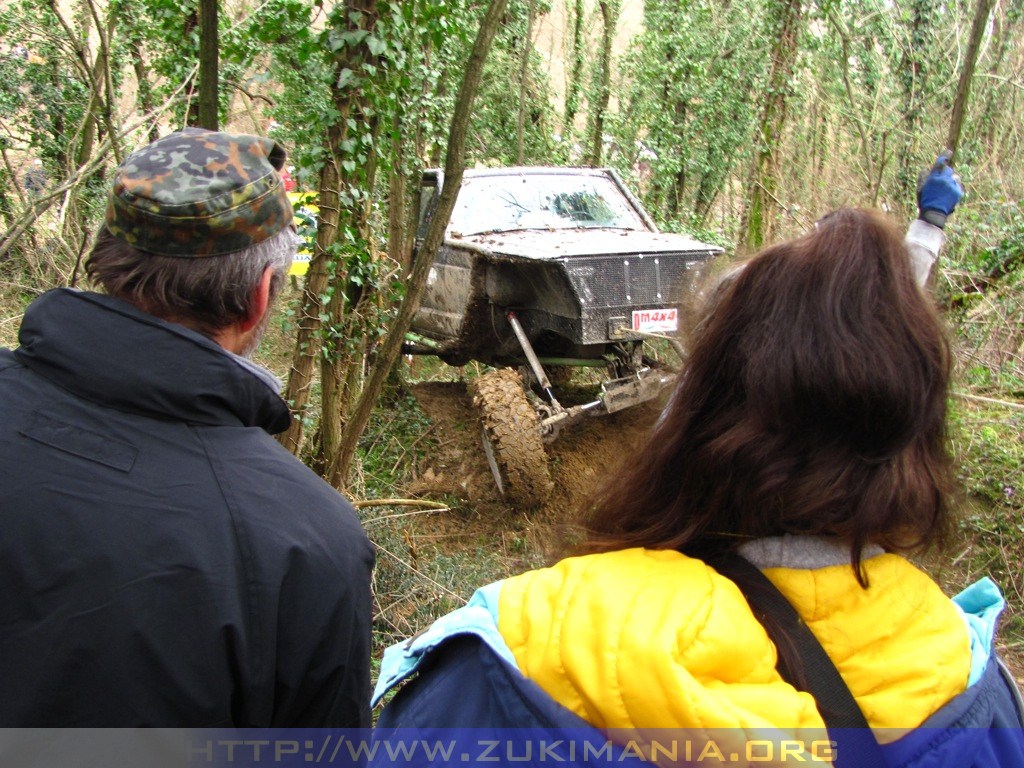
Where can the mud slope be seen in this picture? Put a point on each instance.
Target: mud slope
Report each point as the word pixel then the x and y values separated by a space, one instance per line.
pixel 580 458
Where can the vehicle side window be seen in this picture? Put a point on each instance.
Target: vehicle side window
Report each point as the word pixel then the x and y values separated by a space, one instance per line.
pixel 428 204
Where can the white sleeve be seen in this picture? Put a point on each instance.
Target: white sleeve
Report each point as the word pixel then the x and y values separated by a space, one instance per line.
pixel 924 241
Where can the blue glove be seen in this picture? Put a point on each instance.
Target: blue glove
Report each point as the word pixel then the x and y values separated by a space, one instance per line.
pixel 938 192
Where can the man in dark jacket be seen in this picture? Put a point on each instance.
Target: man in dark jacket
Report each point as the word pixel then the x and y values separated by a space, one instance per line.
pixel 163 560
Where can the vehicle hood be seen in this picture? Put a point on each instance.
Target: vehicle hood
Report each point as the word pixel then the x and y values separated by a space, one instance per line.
pixel 560 243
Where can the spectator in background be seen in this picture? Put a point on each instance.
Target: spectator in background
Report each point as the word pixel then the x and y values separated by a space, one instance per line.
pixel 35 178
pixel 938 192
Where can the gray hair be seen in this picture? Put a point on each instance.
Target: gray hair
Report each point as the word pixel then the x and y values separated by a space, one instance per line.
pixel 206 294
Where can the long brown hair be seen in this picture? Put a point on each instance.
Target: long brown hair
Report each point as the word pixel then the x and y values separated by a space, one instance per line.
pixel 813 402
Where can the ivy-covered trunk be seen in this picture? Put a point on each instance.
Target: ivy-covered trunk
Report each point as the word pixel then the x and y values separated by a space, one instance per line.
pixel 353 291
pixel 609 18
pixel 310 320
pixel 343 199
pixel 784 19
pixel 454 164
pixel 524 74
pixel 575 85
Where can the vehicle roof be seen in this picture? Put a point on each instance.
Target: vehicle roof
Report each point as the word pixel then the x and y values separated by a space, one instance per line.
pixel 526 170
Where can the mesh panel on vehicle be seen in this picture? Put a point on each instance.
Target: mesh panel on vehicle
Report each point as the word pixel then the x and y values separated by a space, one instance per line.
pixel 630 281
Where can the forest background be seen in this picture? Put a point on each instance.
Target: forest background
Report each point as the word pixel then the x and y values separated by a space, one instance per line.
pixel 738 121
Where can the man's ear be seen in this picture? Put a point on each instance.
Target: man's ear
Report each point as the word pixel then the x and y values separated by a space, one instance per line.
pixel 260 301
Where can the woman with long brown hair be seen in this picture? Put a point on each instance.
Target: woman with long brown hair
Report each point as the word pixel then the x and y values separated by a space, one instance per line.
pixel 807 435
pixel 813 404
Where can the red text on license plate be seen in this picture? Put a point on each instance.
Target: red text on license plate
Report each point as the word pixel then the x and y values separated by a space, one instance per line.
pixel 656 320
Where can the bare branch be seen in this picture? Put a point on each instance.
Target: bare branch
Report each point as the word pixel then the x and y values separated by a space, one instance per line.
pixel 44 202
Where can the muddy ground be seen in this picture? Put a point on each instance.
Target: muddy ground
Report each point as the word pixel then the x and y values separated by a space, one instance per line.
pixel 429 562
pixel 582 455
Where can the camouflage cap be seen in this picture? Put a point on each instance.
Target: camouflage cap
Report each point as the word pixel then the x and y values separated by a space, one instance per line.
pixel 199 193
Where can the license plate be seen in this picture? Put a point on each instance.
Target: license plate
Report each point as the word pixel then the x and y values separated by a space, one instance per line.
pixel 656 320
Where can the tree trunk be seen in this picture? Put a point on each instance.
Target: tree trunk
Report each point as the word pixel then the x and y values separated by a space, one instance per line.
pixel 144 89
pixel 355 154
pixel 326 276
pixel 191 103
pixel 307 337
pixel 454 165
pixel 1004 26
pixel 914 76
pixel 524 72
pixel 96 77
pixel 342 371
pixel 963 89
pixel 397 203
pixel 575 84
pixel 609 17
pixel 209 65
pixel 784 31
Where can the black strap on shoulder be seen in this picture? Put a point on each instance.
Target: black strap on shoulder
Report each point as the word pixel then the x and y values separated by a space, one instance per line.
pixel 804 664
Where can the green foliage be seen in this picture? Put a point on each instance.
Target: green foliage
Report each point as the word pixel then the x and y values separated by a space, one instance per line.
pixel 46 87
pixel 989 444
pixel 988 441
pixel 984 288
pixel 492 131
pixel 693 76
pixel 1006 257
pixel 428 561
pixel 492 139
pixel 396 438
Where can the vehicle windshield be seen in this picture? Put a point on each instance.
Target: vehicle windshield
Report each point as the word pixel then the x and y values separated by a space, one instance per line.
pixel 538 201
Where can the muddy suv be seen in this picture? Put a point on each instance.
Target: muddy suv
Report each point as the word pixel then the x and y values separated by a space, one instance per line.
pixel 544 270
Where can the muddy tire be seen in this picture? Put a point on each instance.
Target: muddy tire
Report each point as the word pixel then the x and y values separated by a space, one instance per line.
pixel 511 437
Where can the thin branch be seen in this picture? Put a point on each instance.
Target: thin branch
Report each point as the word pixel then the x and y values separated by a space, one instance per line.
pixel 398 515
pixel 14 175
pixel 990 401
pixel 433 506
pixel 844 37
pixel 411 445
pixel 43 203
pixel 237 85
pixel 1002 80
pixel 108 77
pixel 82 60
pixel 803 220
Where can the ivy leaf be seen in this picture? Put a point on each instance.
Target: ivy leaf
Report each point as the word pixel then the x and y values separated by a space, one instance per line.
pixel 335 40
pixel 354 37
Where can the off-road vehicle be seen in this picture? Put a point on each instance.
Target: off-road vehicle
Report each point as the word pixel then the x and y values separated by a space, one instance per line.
pixel 541 270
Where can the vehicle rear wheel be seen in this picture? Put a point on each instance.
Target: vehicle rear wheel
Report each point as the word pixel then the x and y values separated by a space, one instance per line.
pixel 512 438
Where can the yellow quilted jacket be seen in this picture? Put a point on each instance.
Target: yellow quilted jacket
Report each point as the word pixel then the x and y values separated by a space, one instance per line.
pixel 654 639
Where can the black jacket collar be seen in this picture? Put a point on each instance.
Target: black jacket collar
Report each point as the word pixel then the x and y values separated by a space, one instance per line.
pixel 107 351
